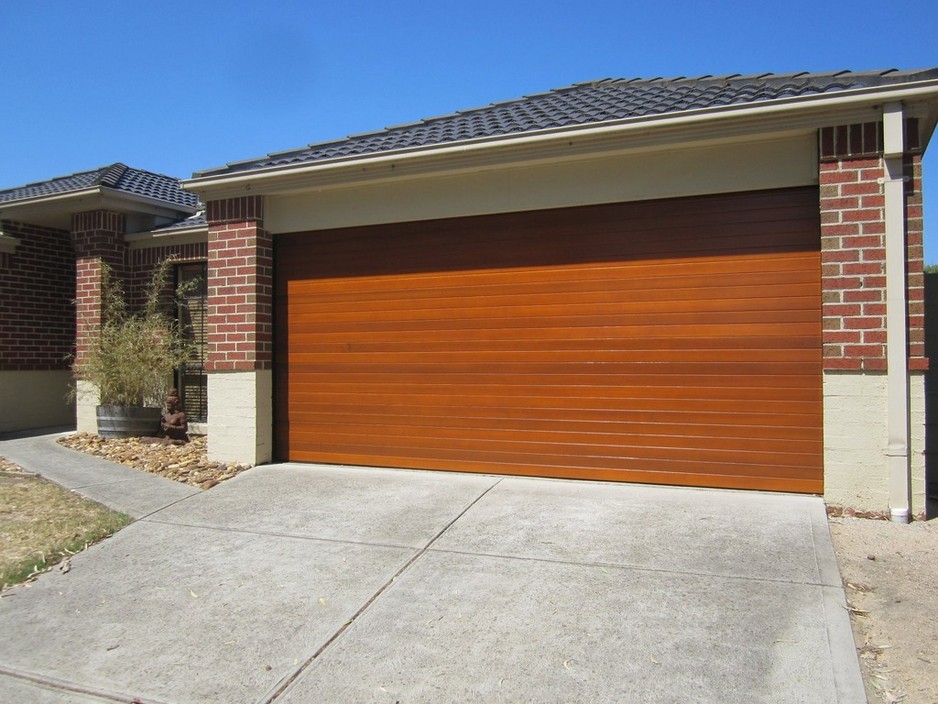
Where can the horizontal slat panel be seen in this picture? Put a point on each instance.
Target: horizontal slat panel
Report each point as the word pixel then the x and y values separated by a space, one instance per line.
pixel 625 346
pixel 569 440
pixel 797 402
pixel 693 421
pixel 657 459
pixel 589 397
pixel 665 342
pixel 566 373
pixel 747 477
pixel 650 275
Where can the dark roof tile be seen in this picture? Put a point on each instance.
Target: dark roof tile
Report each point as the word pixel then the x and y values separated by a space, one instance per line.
pixel 581 104
pixel 118 177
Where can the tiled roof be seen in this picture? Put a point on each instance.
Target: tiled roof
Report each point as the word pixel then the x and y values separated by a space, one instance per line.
pixel 582 104
pixel 197 220
pixel 118 177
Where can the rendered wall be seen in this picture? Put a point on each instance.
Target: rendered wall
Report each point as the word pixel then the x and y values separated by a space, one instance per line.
pixel 35 399
pixel 86 403
pixel 660 174
pixel 240 416
pixel 856 474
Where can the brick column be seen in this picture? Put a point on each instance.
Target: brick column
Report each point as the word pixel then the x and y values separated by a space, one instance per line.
pixel 97 236
pixel 915 243
pixel 853 249
pixel 853 279
pixel 240 330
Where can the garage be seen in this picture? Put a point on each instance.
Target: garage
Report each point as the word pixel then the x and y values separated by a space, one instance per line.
pixel 666 341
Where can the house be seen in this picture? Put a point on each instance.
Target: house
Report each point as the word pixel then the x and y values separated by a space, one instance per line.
pixel 711 281
pixel 53 236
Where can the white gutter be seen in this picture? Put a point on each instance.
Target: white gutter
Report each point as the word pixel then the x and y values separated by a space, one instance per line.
pixel 897 375
pixel 51 198
pixel 818 103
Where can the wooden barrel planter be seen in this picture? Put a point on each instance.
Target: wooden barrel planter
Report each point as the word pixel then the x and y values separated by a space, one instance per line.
pixel 128 421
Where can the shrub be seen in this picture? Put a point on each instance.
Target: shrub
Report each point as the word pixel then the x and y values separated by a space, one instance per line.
pixel 131 355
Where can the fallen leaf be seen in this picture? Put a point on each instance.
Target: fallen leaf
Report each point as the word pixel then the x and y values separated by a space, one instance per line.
pixel 857 612
pixel 66 566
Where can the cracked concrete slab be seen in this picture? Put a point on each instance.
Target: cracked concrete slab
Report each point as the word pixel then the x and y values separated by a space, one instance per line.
pixel 294 583
pixel 381 506
pixel 184 614
pixel 494 629
pixel 708 531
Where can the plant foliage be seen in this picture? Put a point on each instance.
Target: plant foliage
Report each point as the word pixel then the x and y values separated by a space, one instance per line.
pixel 131 355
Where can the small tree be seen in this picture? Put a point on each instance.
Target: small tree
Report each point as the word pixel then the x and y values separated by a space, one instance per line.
pixel 131 356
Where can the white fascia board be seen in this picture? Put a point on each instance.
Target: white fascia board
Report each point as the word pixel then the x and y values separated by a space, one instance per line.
pixel 94 197
pixel 712 123
pixel 132 202
pixel 177 236
pixel 51 199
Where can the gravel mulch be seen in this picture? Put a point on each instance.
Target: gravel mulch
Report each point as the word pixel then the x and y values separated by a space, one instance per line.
pixel 11 469
pixel 182 463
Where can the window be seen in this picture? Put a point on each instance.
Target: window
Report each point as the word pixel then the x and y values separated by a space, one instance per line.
pixel 192 313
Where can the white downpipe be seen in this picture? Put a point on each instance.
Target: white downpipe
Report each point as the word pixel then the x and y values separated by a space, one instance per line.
pixel 897 376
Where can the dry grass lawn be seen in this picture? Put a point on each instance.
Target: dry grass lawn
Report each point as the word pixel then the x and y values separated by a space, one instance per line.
pixel 41 523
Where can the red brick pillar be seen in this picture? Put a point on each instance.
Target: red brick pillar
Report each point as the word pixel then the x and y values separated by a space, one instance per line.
pixel 97 236
pixel 853 249
pixel 915 244
pixel 240 330
pixel 858 428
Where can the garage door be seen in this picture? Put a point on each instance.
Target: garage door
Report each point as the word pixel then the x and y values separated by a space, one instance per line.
pixel 673 342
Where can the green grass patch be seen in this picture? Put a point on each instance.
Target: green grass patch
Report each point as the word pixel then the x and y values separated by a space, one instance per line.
pixel 41 523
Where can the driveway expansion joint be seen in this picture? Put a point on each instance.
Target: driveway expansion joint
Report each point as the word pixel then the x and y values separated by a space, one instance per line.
pixel 640 568
pixel 274 534
pixel 74 688
pixel 284 684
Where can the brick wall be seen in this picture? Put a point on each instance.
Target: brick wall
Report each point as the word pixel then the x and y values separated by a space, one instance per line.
pixel 240 286
pixel 37 286
pixel 97 237
pixel 915 233
pixel 853 250
pixel 145 260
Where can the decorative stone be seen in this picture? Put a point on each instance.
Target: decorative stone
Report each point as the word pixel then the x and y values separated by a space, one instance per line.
pixel 187 463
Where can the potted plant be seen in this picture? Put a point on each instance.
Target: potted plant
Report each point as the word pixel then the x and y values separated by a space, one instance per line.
pixel 131 356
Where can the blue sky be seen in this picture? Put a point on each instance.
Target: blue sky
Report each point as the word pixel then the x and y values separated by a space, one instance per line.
pixel 176 86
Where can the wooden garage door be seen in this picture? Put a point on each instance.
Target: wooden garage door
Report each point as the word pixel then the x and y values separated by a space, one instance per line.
pixel 672 342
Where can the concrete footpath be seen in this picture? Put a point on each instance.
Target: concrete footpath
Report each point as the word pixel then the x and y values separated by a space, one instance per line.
pixel 299 583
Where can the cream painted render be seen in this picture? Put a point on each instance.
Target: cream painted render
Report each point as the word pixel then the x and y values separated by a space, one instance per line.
pixel 240 419
pixel 856 438
pixel 86 401
pixel 727 168
pixel 38 399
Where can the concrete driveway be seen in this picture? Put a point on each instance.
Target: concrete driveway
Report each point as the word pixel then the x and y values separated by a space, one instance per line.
pixel 300 583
